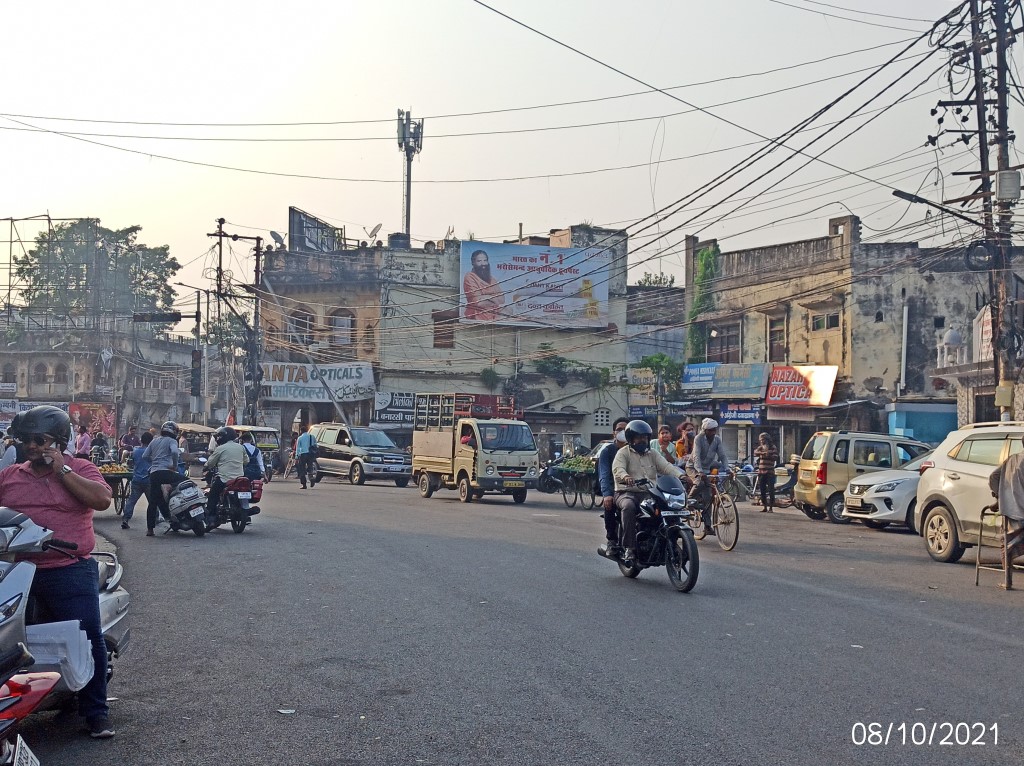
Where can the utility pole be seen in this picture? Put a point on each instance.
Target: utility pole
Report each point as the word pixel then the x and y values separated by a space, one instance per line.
pixel 410 141
pixel 219 234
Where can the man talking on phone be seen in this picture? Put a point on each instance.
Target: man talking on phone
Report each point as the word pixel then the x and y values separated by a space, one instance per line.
pixel 60 492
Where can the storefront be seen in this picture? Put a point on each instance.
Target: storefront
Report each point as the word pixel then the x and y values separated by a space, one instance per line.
pixel 737 393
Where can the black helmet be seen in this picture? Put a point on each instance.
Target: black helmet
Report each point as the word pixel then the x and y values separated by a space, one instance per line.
pixel 636 429
pixel 170 428
pixel 225 434
pixel 44 419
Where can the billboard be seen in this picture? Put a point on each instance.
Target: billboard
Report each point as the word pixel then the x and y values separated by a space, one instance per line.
pixel 699 377
pixel 11 407
pixel 290 382
pixel 801 385
pixel 309 234
pixel 395 409
pixel 533 285
pixel 740 381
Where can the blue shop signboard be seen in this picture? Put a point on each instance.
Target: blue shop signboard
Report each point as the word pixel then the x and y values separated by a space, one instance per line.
pixel 699 377
pixel 642 412
pixel 740 381
pixel 742 412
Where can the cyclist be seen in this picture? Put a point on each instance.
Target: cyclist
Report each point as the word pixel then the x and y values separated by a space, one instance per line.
pixel 634 462
pixel 708 455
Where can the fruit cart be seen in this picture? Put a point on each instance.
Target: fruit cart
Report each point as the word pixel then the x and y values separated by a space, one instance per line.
pixel 579 481
pixel 120 479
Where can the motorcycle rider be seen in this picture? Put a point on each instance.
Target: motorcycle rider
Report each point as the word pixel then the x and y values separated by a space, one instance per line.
pixel 607 484
pixel 162 453
pixel 227 463
pixel 708 454
pixel 61 492
pixel 635 462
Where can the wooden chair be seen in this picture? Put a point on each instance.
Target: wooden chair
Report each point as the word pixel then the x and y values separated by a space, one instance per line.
pixel 991 517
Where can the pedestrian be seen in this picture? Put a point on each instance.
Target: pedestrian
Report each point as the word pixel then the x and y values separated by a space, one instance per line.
pixel 60 493
pixel 663 444
pixel 128 442
pixel 83 444
pixel 305 455
pixel 140 478
pixel 163 469
pixel 767 457
pixel 684 445
pixel 10 453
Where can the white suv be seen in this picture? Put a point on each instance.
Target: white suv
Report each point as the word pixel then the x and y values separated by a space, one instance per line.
pixel 954 486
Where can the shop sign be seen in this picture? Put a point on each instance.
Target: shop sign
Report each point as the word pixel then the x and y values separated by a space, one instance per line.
pixel 740 381
pixel 742 412
pixel 699 377
pixel 393 408
pixel 801 386
pixel 642 412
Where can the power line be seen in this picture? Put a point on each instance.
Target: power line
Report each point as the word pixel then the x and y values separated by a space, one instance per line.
pixel 843 18
pixel 866 13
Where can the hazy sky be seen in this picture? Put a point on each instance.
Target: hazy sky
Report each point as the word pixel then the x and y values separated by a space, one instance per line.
pixel 360 60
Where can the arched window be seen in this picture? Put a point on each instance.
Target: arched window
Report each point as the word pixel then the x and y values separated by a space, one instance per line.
pixel 10 374
pixel 342 325
pixel 60 374
pixel 39 373
pixel 300 327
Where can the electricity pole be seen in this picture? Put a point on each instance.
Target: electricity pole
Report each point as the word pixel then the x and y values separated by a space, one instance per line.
pixel 410 141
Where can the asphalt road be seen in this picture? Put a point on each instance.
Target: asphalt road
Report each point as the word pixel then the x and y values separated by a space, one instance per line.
pixel 366 625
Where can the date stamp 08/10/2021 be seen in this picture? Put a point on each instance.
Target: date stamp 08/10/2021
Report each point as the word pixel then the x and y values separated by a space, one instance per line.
pixel 921 734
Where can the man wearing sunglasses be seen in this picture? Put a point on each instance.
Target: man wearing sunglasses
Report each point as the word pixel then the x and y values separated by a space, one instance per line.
pixel 60 492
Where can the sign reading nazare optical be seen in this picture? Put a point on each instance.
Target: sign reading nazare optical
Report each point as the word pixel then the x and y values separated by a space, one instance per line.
pixel 801 386
pixel 287 382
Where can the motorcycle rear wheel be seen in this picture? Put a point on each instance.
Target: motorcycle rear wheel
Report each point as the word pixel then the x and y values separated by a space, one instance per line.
pixel 683 563
pixel 238 524
pixel 199 526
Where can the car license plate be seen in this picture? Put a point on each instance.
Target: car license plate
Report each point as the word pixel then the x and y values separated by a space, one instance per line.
pixel 196 512
pixel 806 474
pixel 23 756
pixel 854 502
pixel 394 468
pixel 244 495
pixel 514 484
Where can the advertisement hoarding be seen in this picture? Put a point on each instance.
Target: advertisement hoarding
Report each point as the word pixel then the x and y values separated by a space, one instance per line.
pixel 640 397
pixel 309 234
pixel 95 416
pixel 291 382
pixel 741 412
pixel 801 385
pixel 393 409
pixel 532 285
pixel 11 407
pixel 699 377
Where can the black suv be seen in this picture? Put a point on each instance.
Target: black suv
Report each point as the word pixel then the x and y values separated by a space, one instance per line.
pixel 358 454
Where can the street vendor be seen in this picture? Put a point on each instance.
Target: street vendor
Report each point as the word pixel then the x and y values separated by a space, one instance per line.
pixel 1007 485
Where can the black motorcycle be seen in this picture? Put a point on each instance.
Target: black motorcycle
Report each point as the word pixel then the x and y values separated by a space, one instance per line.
pixel 548 481
pixel 663 536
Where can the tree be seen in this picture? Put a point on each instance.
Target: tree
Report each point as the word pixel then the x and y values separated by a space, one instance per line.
pixel 667 370
pixel 656 280
pixel 80 267
pixel 703 300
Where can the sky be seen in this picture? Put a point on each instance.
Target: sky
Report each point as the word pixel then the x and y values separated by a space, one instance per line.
pixel 106 68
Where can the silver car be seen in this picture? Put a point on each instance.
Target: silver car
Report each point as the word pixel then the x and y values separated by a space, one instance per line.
pixel 885 497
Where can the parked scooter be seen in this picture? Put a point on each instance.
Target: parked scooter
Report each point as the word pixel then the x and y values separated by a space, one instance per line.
pixel 20 535
pixel 187 505
pixel 20 694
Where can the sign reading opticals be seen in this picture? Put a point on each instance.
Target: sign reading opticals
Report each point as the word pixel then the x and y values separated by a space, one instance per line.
pixel 801 385
pixel 699 377
pixel 288 382
pixel 740 381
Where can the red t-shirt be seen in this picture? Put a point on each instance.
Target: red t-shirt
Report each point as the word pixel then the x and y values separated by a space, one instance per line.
pixel 46 501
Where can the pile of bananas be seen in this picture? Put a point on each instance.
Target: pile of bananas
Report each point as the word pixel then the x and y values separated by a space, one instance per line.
pixel 114 468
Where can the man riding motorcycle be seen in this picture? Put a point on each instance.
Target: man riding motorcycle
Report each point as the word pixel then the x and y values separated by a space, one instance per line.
pixel 708 454
pixel 633 462
pixel 226 463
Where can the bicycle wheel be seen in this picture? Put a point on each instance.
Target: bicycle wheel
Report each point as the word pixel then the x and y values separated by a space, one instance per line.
pixel 726 522
pixel 731 487
pixel 697 524
pixel 569 493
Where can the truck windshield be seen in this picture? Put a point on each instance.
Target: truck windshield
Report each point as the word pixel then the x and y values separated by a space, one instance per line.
pixel 368 437
pixel 506 436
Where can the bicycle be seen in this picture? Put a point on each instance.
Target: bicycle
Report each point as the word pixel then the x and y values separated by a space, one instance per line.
pixel 737 485
pixel 725 519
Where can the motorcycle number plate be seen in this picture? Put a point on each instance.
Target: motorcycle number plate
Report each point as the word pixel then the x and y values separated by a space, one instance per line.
pixel 23 756
pixel 854 502
pixel 245 495
pixel 514 484
pixel 196 512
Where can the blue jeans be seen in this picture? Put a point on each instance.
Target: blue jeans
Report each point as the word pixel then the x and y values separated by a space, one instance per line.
pixel 72 593
pixel 139 488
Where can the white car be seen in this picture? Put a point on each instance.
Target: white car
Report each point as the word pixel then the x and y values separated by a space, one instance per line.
pixel 885 497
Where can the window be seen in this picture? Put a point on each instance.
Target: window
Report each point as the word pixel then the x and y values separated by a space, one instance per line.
pixel 842 453
pixel 342 439
pixel 39 373
pixel 980 451
pixel 909 451
pixel 444 328
pixel 872 454
pixel 1016 446
pixel 300 327
pixel 60 374
pixel 341 324
pixel 724 344
pixel 140 382
pixel 939 322
pixel 777 340
pixel 879 316
pixel 602 417
pixel 825 321
pixel 9 374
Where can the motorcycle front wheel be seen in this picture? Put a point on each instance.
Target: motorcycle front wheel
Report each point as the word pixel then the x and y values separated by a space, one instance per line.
pixel 683 563
pixel 199 526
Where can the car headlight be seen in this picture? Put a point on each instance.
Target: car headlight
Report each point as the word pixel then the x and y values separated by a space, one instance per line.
pixel 489 470
pixel 889 486
pixel 532 471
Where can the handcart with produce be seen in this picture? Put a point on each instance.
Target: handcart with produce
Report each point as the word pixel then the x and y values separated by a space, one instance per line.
pixel 578 475
pixel 119 477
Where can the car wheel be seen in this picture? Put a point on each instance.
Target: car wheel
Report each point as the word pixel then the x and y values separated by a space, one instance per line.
pixel 402 482
pixel 872 524
pixel 357 475
pixel 909 521
pixel 941 538
pixel 834 509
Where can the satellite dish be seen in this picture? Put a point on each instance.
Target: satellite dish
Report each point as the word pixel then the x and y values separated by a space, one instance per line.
pixel 372 232
pixel 277 238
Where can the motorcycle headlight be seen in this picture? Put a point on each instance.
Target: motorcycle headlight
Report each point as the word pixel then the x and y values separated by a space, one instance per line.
pixel 532 471
pixel 889 486
pixel 489 470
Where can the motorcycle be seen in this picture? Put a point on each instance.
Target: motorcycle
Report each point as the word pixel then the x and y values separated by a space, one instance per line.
pixel 20 535
pixel 20 694
pixel 548 481
pixel 663 536
pixel 236 503
pixel 187 505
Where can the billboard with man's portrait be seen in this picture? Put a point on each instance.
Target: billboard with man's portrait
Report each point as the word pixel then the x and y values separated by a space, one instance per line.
pixel 534 285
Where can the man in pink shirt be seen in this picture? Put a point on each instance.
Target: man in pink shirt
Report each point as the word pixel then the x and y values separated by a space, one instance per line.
pixel 59 492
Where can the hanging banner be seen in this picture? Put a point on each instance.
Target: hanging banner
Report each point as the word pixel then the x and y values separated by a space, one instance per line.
pixel 803 385
pixel 291 382
pixel 531 285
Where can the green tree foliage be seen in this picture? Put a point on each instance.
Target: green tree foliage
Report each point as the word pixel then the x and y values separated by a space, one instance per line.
pixel 703 301
pixel 656 280
pixel 561 369
pixel 668 370
pixel 80 267
pixel 228 333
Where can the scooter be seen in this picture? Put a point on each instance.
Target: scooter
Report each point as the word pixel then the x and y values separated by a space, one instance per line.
pixel 20 535
pixel 20 694
pixel 187 506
